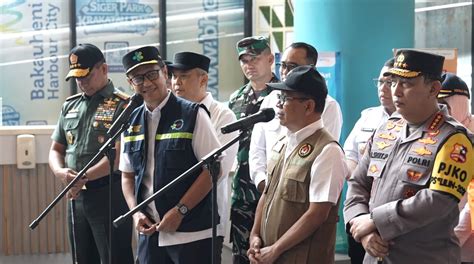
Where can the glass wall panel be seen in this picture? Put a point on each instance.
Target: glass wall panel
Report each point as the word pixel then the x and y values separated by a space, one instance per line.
pixel 211 28
pixel 34 43
pixel 117 26
pixel 446 24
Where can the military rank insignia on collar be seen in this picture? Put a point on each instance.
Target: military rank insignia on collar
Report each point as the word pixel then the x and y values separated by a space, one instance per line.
pixel 177 124
pixel 305 150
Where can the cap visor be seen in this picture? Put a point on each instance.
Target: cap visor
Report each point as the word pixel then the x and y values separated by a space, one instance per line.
pixel 402 73
pixel 248 53
pixel 440 95
pixel 141 63
pixel 77 73
pixel 279 86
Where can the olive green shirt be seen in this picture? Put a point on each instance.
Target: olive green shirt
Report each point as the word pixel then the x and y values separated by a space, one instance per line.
pixel 84 121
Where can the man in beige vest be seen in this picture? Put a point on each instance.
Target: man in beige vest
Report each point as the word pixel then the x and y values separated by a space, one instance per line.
pixel 296 216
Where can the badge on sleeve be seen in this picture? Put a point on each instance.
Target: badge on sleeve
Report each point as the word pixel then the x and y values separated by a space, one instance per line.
pixel 305 150
pixel 70 138
pixel 454 166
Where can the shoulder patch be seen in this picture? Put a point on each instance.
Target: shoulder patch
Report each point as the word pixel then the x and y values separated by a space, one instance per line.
pixel 454 166
pixel 74 96
pixel 121 94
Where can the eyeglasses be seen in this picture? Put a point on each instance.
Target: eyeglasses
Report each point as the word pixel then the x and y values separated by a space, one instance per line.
pixel 282 98
pixel 378 82
pixel 289 66
pixel 140 79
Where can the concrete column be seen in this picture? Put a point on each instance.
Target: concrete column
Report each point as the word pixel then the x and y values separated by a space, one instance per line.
pixel 364 32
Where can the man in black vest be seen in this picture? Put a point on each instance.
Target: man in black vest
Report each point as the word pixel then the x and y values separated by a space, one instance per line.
pixel 167 136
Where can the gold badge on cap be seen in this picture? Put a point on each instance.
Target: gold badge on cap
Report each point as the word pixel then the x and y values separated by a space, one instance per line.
pixel 70 138
pixel 400 60
pixel 73 58
pixel 305 150
pixel 95 124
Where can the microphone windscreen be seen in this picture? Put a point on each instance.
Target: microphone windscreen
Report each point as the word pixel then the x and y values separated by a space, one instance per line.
pixel 269 114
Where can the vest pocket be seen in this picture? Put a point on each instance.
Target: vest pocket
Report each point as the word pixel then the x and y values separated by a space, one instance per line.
pixel 294 189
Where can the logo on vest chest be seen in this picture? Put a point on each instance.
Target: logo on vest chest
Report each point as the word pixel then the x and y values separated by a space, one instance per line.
pixel 177 124
pixel 305 150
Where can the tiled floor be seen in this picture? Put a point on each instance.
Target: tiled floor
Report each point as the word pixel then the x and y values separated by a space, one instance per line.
pixel 66 258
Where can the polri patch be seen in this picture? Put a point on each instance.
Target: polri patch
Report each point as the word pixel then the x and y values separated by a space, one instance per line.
pixel 452 171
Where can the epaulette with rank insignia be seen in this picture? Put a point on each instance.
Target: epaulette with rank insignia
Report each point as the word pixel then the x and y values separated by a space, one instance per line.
pixel 121 94
pixel 436 123
pixel 73 96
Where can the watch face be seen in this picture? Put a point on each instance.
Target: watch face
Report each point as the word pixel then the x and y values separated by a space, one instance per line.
pixel 183 209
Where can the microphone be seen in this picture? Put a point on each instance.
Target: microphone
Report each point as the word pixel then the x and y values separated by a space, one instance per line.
pixel 264 115
pixel 135 101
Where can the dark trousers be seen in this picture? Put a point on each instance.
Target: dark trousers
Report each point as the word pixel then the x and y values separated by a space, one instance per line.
pixel 91 227
pixel 356 250
pixel 190 253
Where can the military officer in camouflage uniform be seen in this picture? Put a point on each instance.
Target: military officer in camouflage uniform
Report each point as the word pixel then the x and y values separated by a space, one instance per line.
pixel 402 199
pixel 256 61
pixel 79 134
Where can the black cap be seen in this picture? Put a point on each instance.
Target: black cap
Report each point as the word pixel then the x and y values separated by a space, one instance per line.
pixel 82 59
pixel 252 45
pixel 141 56
pixel 190 60
pixel 303 79
pixel 413 63
pixel 452 85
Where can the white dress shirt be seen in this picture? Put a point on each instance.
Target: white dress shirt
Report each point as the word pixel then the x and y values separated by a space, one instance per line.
pixel 221 115
pixel 370 119
pixel 265 135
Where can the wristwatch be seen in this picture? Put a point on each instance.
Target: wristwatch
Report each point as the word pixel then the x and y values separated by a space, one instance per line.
pixel 182 209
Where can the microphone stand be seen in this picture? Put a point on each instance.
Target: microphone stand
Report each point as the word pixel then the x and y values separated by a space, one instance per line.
pixel 213 164
pixel 104 150
pixel 111 153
